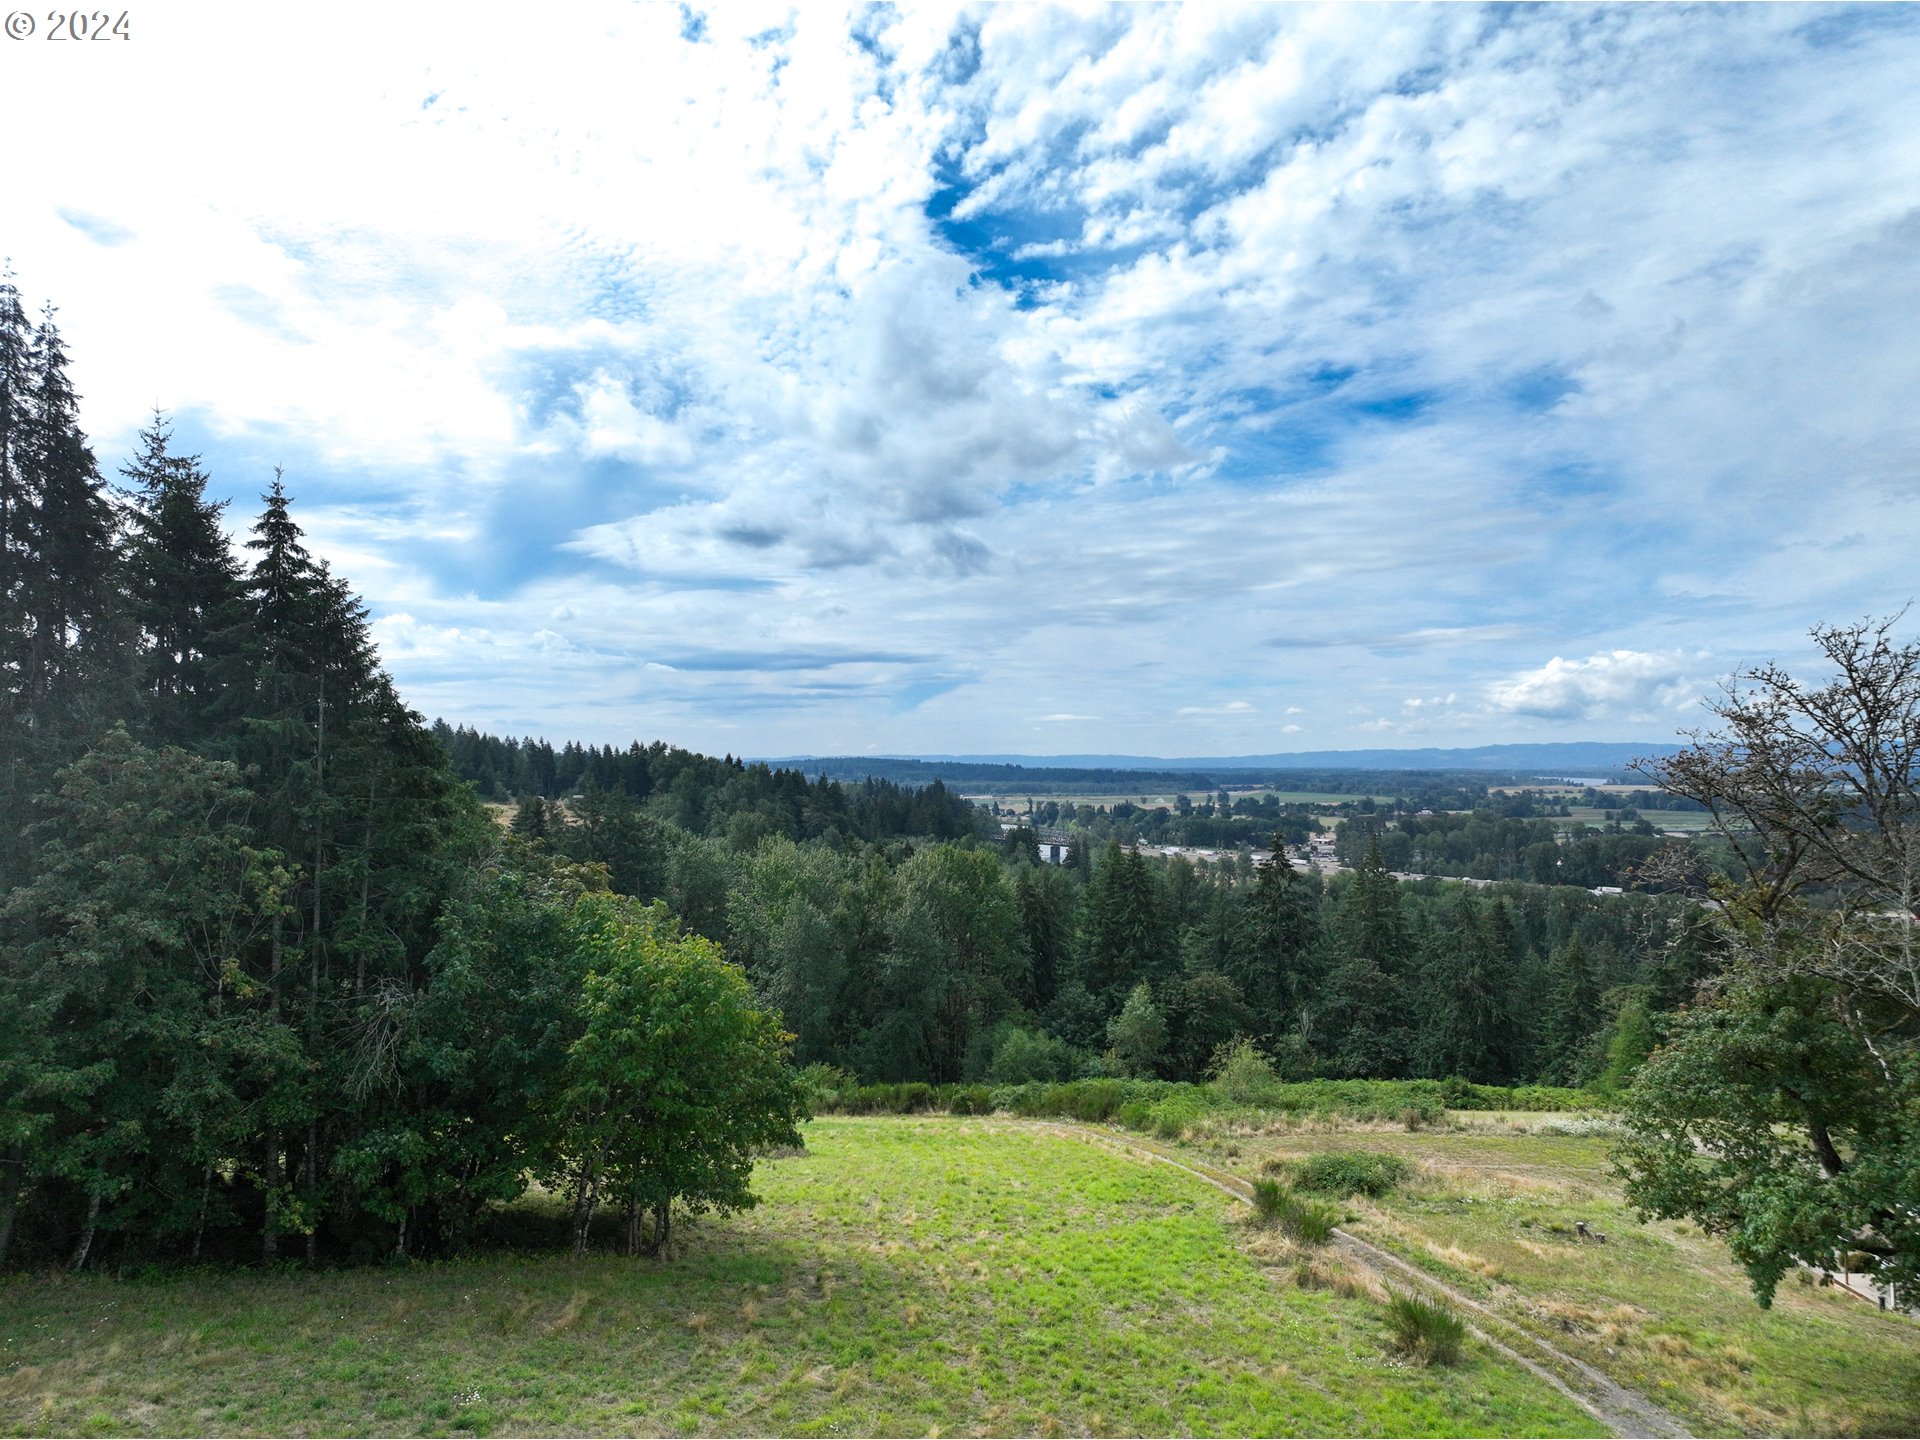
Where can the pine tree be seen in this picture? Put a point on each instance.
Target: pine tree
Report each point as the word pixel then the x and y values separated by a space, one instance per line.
pixel 186 592
pixel 1368 1027
pixel 1465 1026
pixel 1280 967
pixel 1572 1013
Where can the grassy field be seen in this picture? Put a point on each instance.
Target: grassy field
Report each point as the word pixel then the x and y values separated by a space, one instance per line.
pixel 1659 1307
pixel 907 1276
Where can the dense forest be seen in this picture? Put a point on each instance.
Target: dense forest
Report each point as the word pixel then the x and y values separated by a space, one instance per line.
pixel 275 981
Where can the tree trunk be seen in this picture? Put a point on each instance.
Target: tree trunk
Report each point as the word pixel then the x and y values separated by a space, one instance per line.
pixel 586 1201
pixel 272 1173
pixel 86 1234
pixel 200 1225
pixel 662 1226
pixel 14 1162
pixel 633 1225
pixel 400 1243
pixel 311 1184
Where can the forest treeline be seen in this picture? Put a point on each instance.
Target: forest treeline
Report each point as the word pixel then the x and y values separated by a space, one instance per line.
pixel 702 795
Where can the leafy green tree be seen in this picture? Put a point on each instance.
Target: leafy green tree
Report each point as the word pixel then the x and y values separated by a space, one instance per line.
pixel 1782 1111
pixel 677 1080
pixel 1137 1036
pixel 954 962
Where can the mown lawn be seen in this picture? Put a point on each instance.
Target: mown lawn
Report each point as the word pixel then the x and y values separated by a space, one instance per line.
pixel 1659 1307
pixel 906 1276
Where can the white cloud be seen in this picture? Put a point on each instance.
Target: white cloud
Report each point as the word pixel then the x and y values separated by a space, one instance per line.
pixel 1616 684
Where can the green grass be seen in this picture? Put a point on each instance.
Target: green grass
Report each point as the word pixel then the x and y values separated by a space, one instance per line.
pixel 1660 1307
pixel 904 1276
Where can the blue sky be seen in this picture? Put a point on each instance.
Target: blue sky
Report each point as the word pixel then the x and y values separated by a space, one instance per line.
pixel 1131 379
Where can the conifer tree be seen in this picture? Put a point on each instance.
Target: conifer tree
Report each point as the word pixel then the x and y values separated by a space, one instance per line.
pixel 1280 967
pixel 1369 1028
pixel 1572 1013
pixel 1465 1025
pixel 185 589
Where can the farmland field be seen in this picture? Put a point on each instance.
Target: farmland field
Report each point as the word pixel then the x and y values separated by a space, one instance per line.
pixel 904 1277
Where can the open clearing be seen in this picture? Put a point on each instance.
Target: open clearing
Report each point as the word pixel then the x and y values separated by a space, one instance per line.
pixel 935 1274
pixel 906 1276
pixel 1658 1307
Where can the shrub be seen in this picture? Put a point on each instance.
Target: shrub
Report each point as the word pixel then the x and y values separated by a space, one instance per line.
pixel 1245 1076
pixel 1306 1221
pixel 969 1100
pixel 1268 1196
pixel 1418 1117
pixel 1171 1118
pixel 1351 1172
pixel 1023 1056
pixel 1427 1332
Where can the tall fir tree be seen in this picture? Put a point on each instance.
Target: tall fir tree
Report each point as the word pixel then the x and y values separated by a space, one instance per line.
pixel 1465 1023
pixel 185 590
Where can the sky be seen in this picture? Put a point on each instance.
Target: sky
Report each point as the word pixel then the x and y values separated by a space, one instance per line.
pixel 1018 379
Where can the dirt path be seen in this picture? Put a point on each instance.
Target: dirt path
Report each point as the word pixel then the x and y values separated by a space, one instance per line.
pixel 1624 1411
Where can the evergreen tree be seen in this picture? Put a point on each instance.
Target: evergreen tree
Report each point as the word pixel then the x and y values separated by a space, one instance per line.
pixel 1465 1025
pixel 1572 1013
pixel 1369 1028
pixel 1280 968
pixel 186 592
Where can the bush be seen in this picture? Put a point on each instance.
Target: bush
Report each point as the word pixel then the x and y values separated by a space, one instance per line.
pixel 1268 1196
pixel 1306 1221
pixel 1245 1076
pixel 968 1100
pixel 1427 1332
pixel 1171 1118
pixel 1351 1172
pixel 1023 1056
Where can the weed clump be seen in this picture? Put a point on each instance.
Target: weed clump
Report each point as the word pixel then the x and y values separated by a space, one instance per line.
pixel 1427 1332
pixel 1351 1172
pixel 1308 1222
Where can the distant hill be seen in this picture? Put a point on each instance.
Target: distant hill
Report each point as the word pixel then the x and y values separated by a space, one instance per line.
pixel 1578 758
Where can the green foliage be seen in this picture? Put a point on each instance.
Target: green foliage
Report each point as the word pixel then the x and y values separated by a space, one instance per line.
pixel 1137 1036
pixel 1629 1045
pixel 1427 1332
pixel 677 1078
pixel 1782 1112
pixel 1304 1221
pixel 1243 1074
pixel 1351 1172
pixel 1023 1056
pixel 1267 1197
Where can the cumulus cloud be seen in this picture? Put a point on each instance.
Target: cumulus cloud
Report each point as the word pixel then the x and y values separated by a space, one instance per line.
pixel 1617 683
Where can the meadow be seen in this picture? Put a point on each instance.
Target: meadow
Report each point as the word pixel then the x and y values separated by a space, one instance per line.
pixel 905 1276
pixel 935 1274
pixel 1492 1207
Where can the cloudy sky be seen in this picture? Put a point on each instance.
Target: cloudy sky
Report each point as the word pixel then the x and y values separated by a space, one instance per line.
pixel 907 380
